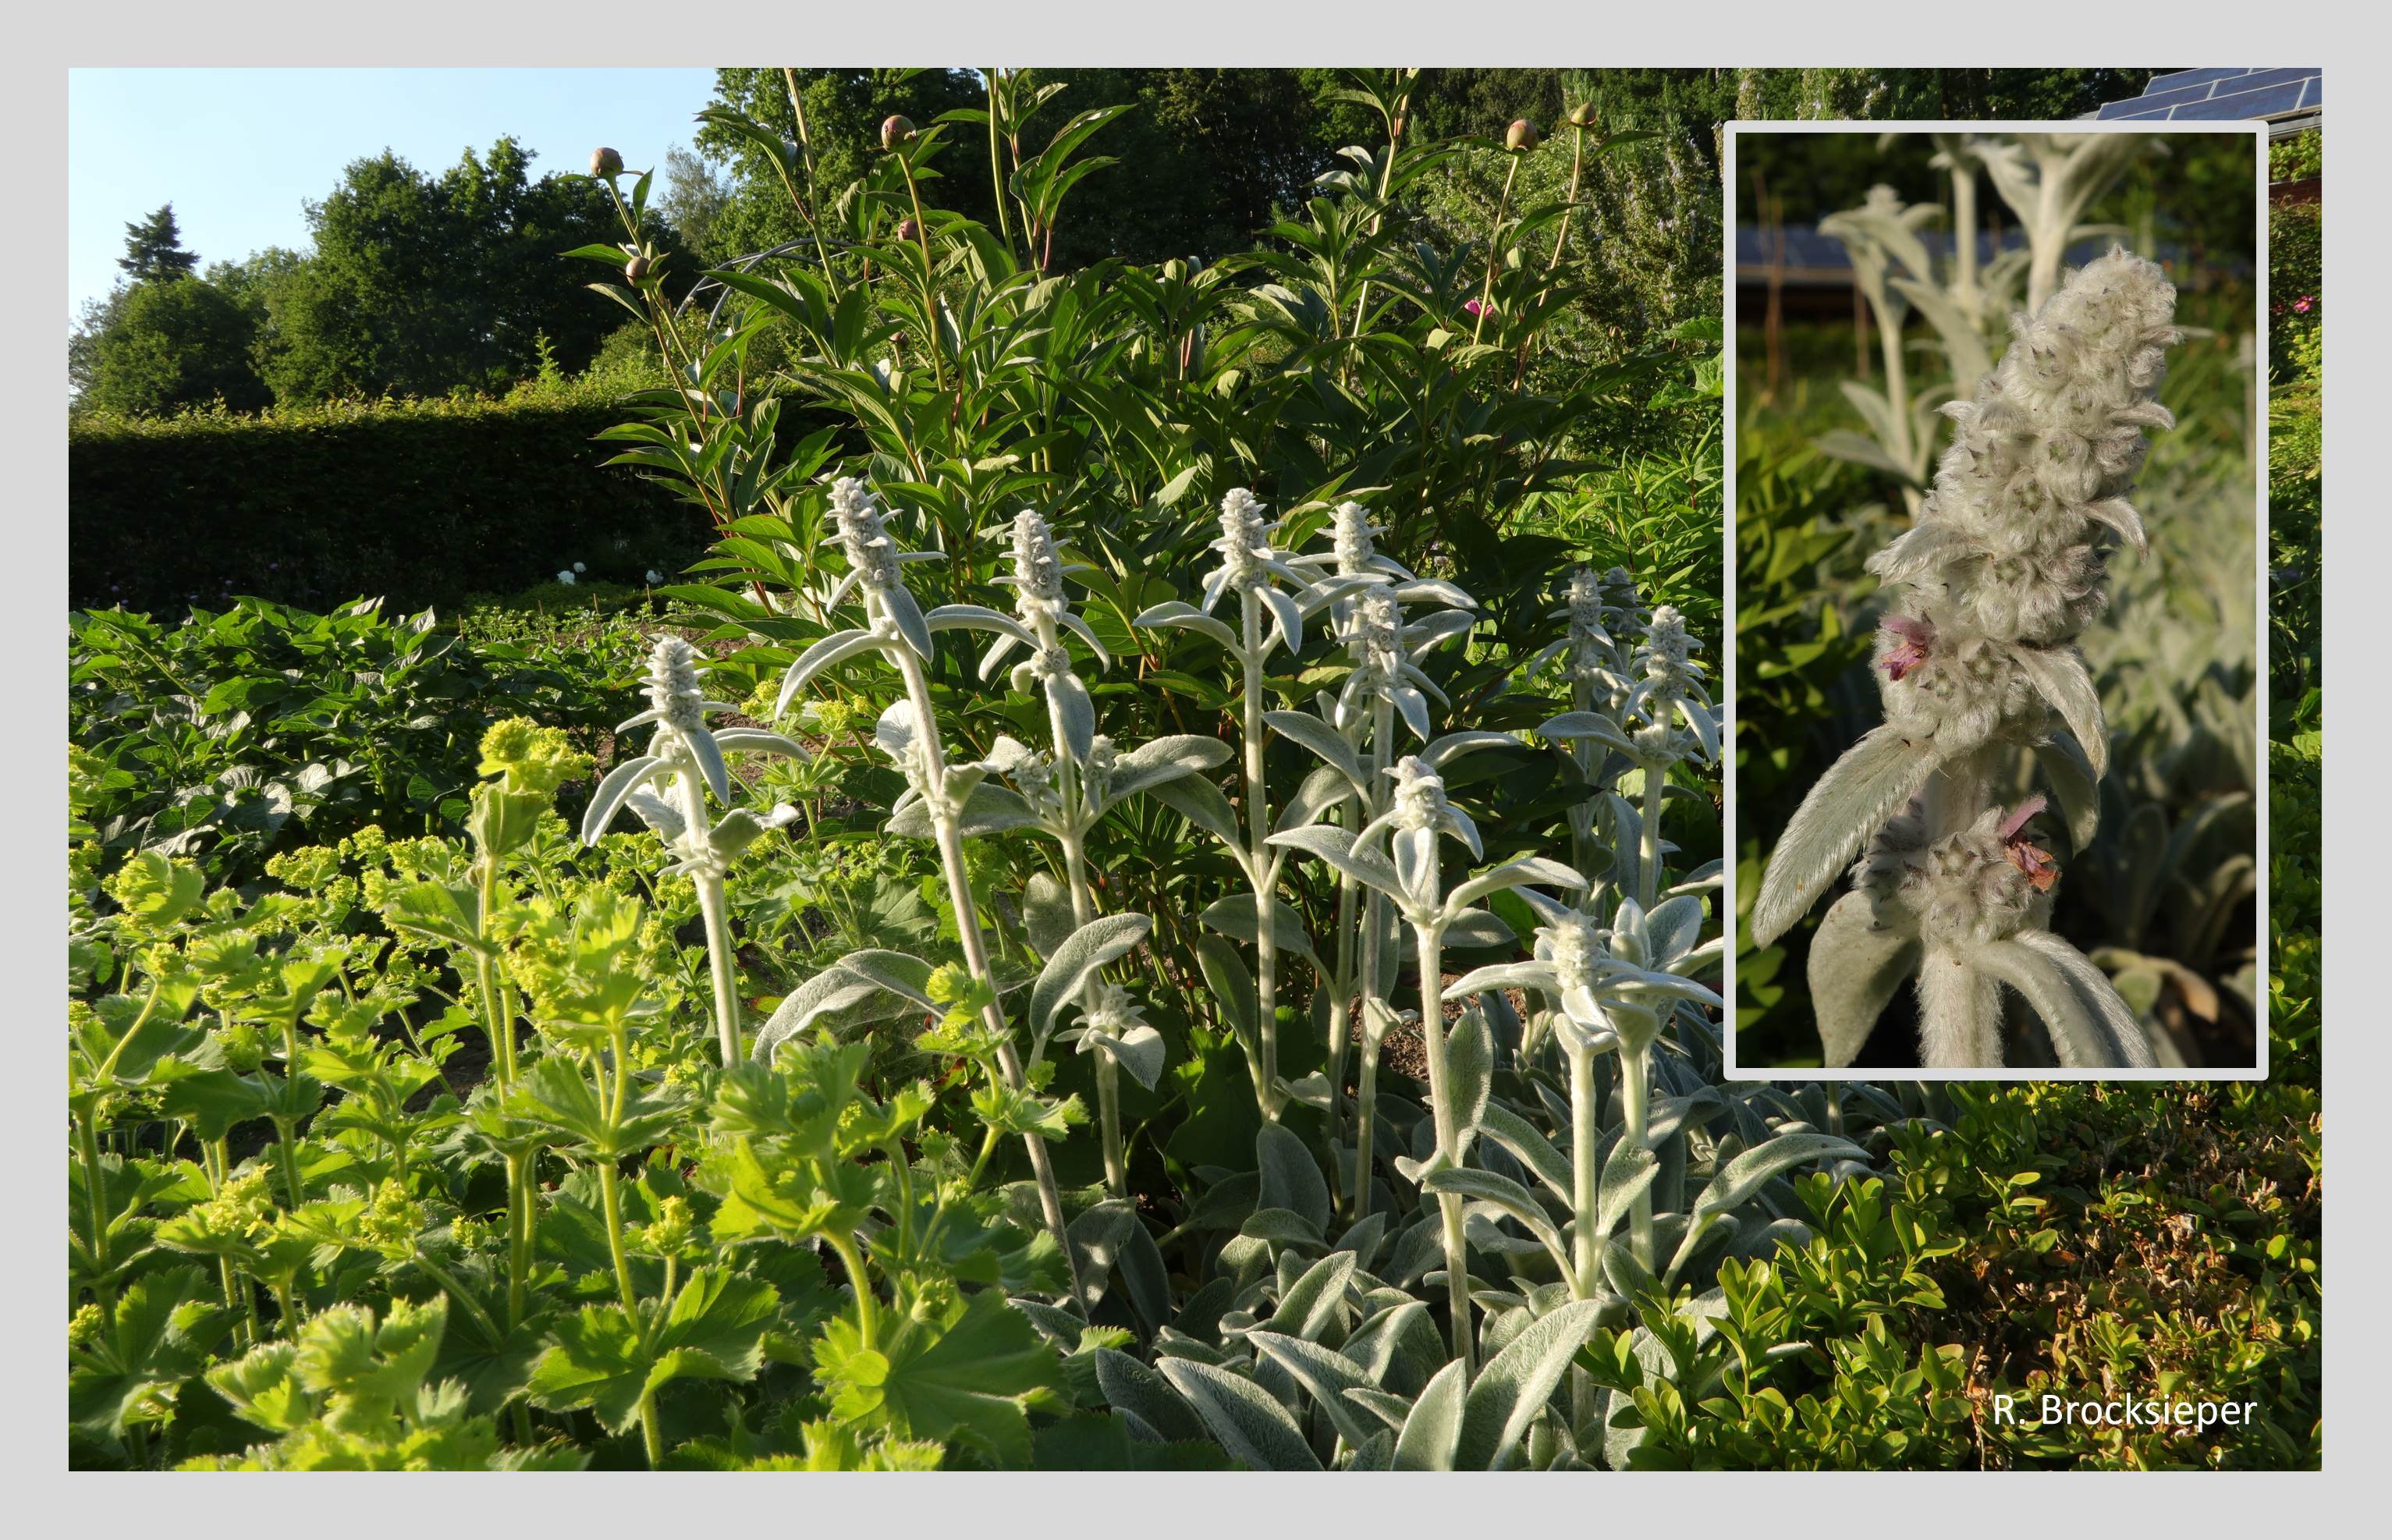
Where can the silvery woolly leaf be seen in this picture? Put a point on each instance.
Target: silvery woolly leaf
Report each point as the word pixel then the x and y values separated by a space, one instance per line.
pixel 1505 1193
pixel 1527 1145
pixel 2076 786
pixel 1176 614
pixel 1309 732
pixel 1670 928
pixel 1070 965
pixel 833 989
pixel 1249 1422
pixel 1140 1393
pixel 1504 975
pixel 898 604
pixel 1232 986
pixel 1627 1170
pixel 740 828
pixel 1705 728
pixel 1470 1072
pixel 1743 1177
pixel 1077 713
pixel 1512 1386
pixel 1138 1051
pixel 835 647
pixel 2058 675
pixel 1046 913
pixel 1583 726
pixel 757 740
pixel 990 809
pixel 1433 1429
pixel 1313 1304
pixel 1152 763
pixel 1291 1177
pixel 1453 745
pixel 1477 927
pixel 1411 709
pixel 658 814
pixel 708 755
pixel 1234 917
pixel 1325 788
pixel 1287 620
pixel 978 617
pixel 1080 629
pixel 1195 799
pixel 1856 965
pixel 1528 869
pixel 613 792
pixel 1326 1376
pixel 1337 848
pixel 2090 1027
pixel 1860 793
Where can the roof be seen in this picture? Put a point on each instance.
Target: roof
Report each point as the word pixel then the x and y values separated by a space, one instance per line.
pixel 2223 95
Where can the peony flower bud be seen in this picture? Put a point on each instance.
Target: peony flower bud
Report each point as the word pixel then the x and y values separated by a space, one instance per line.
pixel 636 269
pixel 605 162
pixel 1522 136
pixel 896 129
pixel 1581 115
pixel 909 229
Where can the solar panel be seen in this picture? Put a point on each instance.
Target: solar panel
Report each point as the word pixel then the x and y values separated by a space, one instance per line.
pixel 2220 96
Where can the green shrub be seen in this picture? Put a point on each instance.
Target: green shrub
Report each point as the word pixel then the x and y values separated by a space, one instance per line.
pixel 418 502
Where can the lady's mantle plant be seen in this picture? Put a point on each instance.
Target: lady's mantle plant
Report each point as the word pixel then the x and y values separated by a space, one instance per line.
pixel 1987 593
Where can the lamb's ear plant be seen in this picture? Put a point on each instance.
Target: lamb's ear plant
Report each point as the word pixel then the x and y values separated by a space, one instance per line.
pixel 1065 793
pixel 1410 874
pixel 1269 617
pixel 898 630
pixel 1354 733
pixel 668 787
pixel 1986 595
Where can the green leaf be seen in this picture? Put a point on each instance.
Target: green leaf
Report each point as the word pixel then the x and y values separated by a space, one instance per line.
pixel 1291 1179
pixel 1248 1419
pixel 1511 1388
pixel 713 1330
pixel 1432 1431
pixel 961 1383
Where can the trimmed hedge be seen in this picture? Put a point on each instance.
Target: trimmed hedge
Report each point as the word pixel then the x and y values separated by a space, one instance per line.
pixel 421 502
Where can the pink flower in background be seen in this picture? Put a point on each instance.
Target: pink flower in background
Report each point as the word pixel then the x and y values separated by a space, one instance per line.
pixel 1474 308
pixel 2301 305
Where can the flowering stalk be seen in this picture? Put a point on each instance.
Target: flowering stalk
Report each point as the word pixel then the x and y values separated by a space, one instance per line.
pixel 1670 693
pixel 1067 791
pixel 1385 681
pixel 684 760
pixel 1987 592
pixel 1410 874
pixel 1269 618
pixel 897 629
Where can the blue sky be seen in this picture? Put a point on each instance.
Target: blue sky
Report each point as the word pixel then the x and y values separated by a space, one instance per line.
pixel 238 151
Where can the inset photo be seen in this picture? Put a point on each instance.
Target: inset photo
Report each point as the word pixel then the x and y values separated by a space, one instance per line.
pixel 1996 584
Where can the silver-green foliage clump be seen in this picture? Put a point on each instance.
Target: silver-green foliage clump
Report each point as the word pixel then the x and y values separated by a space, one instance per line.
pixel 1986 594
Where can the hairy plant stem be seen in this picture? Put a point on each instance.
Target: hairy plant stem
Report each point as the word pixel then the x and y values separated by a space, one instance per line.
pixel 1431 940
pixel 1585 1173
pixel 1261 863
pixel 950 858
pixel 1634 1101
pixel 1649 867
pixel 1071 790
pixel 1375 1012
pixel 519 1223
pixel 714 906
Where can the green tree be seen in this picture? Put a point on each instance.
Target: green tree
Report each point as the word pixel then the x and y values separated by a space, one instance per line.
pixel 154 249
pixel 170 344
pixel 423 286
